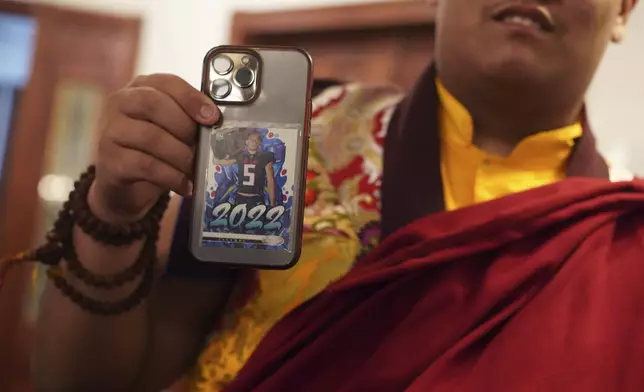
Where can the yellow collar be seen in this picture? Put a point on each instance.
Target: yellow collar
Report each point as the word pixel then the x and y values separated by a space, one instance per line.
pixel 544 149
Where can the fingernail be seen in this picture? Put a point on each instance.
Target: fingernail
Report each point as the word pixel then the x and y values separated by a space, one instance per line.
pixel 207 112
pixel 189 188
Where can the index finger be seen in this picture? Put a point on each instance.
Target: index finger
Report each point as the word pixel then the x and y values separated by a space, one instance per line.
pixel 196 104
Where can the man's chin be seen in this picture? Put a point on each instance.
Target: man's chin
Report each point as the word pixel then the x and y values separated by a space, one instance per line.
pixel 514 69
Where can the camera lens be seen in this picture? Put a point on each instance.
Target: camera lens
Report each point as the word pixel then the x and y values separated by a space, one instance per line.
pixel 220 88
pixel 244 77
pixel 222 64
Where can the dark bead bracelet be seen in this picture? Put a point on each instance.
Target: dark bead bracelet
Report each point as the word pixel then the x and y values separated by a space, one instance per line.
pixel 103 308
pixel 76 268
pixel 103 232
pixel 60 245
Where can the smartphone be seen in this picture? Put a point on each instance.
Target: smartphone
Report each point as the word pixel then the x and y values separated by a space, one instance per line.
pixel 248 195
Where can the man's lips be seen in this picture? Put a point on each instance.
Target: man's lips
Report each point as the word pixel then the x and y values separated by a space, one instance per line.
pixel 534 16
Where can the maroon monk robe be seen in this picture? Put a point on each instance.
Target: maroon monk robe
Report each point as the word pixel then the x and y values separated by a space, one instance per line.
pixel 537 291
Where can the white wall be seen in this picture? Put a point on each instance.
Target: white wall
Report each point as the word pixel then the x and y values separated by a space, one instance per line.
pixel 177 33
pixel 616 99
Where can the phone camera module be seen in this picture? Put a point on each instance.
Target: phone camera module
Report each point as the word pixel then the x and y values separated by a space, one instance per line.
pixel 244 77
pixel 222 64
pixel 220 89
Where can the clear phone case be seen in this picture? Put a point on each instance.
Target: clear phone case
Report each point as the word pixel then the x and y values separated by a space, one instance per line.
pixel 250 174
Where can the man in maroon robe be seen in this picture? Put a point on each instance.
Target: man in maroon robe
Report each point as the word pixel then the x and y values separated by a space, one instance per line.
pixel 536 291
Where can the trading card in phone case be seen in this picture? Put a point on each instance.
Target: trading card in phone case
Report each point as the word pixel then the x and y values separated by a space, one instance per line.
pixel 249 185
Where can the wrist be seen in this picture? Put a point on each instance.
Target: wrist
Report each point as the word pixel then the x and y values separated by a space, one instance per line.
pixel 108 214
pixel 90 228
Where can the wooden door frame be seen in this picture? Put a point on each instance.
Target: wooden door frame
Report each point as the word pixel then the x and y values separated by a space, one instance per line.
pixel 370 16
pixel 15 7
pixel 11 306
pixel 20 183
pixel 18 195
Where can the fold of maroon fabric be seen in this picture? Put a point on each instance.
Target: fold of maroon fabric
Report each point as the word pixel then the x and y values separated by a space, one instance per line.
pixel 538 291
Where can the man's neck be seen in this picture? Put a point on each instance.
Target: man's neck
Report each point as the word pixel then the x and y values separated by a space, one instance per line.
pixel 502 117
pixel 498 130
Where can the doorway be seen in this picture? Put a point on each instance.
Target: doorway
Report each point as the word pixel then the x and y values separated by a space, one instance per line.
pixel 57 66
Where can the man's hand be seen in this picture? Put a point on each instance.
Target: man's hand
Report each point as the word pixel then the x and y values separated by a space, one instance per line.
pixel 147 145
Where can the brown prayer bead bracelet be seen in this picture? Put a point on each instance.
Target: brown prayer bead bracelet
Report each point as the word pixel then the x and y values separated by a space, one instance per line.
pixel 60 246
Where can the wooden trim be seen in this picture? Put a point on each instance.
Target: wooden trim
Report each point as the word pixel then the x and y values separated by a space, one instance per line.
pixel 14 7
pixel 23 168
pixel 32 122
pixel 16 205
pixel 375 16
pixel 130 23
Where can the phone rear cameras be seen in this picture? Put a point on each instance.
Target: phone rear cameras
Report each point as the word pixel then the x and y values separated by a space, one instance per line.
pixel 220 88
pixel 233 77
pixel 244 77
pixel 222 64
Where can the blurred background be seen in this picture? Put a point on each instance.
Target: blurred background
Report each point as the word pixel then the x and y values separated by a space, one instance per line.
pixel 60 58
